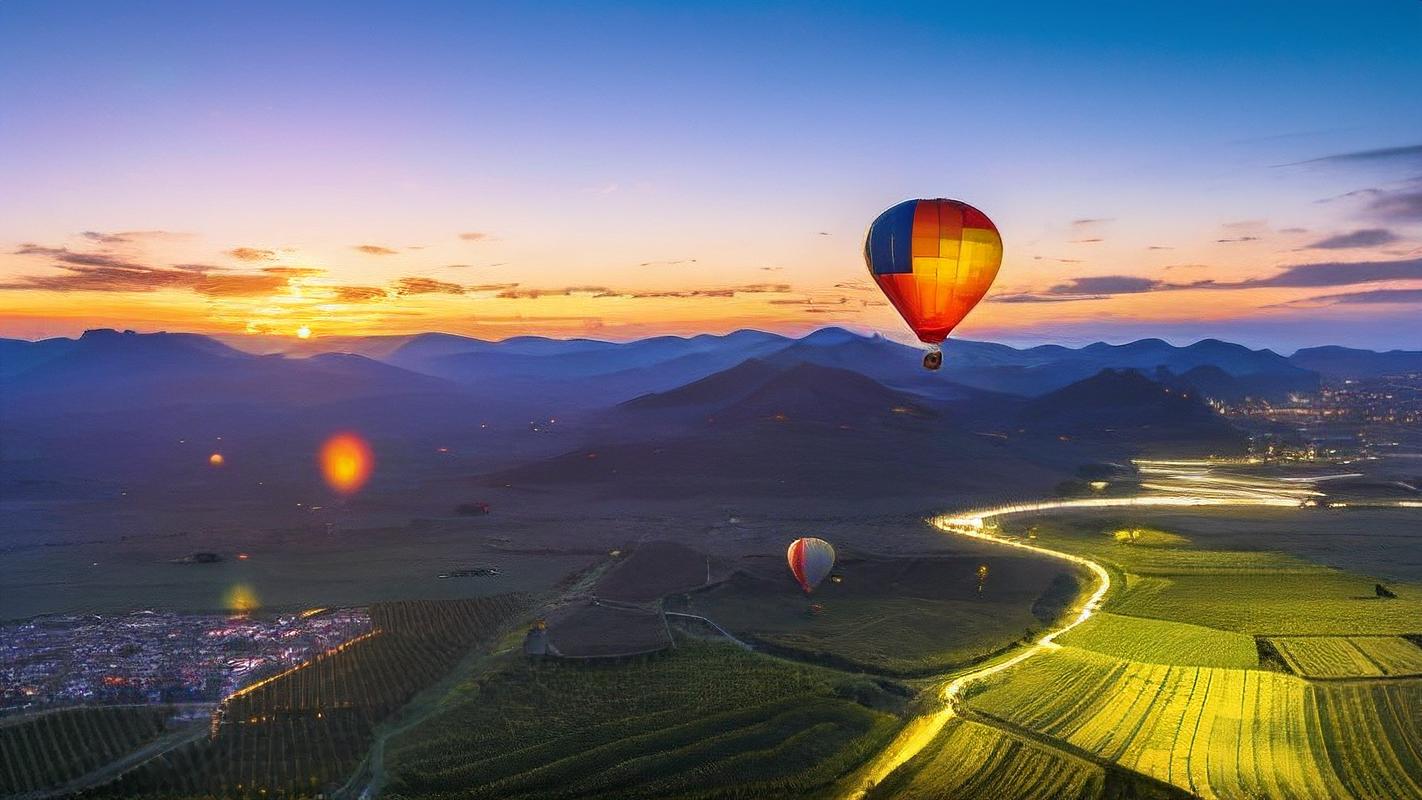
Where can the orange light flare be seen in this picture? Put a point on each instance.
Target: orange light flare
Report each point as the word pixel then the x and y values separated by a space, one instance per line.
pixel 346 462
pixel 216 460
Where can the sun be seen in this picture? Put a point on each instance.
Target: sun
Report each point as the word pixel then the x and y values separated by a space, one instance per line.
pixel 303 332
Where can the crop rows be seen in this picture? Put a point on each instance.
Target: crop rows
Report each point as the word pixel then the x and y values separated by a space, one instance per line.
pixel 971 760
pixel 708 720
pixel 52 748
pixel 1162 642
pixel 303 731
pixel 1219 732
pixel 1350 657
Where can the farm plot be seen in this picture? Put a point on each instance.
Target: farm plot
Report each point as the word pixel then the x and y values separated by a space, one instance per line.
pixel 1350 656
pixel 1326 657
pixel 972 760
pixel 49 749
pixel 1160 642
pixel 1324 603
pixel 1219 732
pixel 301 732
pixel 708 720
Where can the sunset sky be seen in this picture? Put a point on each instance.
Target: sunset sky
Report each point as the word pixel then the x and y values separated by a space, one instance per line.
pixel 1243 170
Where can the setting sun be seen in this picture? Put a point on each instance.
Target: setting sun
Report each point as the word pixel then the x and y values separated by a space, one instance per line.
pixel 303 332
pixel 346 462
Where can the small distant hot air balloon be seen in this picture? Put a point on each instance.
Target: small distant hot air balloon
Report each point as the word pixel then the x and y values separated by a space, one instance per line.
pixel 810 561
pixel 934 260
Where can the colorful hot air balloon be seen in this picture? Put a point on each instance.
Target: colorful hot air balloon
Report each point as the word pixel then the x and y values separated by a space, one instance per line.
pixel 934 260
pixel 810 561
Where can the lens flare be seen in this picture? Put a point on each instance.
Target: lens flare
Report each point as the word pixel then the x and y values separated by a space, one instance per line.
pixel 241 599
pixel 346 462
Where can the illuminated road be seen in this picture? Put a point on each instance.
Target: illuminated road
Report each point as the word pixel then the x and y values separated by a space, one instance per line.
pixel 1180 483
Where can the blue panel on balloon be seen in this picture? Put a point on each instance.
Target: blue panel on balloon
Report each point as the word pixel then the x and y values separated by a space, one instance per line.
pixel 890 243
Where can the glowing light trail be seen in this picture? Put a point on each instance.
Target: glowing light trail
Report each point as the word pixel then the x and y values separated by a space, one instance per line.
pixel 1206 489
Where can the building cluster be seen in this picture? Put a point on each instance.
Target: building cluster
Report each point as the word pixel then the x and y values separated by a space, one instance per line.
pixel 158 657
pixel 1354 418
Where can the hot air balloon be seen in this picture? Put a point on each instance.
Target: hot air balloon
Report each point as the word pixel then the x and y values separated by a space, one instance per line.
pixel 810 561
pixel 934 260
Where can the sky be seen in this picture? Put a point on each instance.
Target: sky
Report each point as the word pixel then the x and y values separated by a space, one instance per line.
pixel 1246 171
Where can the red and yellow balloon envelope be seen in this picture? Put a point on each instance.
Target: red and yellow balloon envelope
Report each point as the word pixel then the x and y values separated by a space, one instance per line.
pixel 810 561
pixel 346 462
pixel 934 260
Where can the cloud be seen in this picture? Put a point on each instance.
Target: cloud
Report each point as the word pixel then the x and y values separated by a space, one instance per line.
pixel 1105 284
pixel 1239 239
pixel 295 272
pixel 415 285
pixel 238 285
pixel 1405 152
pixel 1331 273
pixel 1159 247
pixel 127 237
pixel 667 263
pixel 1092 240
pixel 1028 297
pixel 1087 222
pixel 104 272
pixel 252 254
pixel 64 255
pixel 1373 296
pixel 1364 237
pixel 491 287
pixel 359 294
pixel 375 250
pixel 606 292
pixel 476 236
pixel 1401 206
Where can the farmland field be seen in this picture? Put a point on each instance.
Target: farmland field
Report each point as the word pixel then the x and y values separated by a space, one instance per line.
pixel 704 720
pixel 49 749
pixel 1349 657
pixel 1161 642
pixel 303 731
pixel 895 616
pixel 1219 732
pixel 969 759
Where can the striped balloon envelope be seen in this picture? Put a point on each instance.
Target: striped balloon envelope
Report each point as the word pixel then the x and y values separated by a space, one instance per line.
pixel 810 561
pixel 934 260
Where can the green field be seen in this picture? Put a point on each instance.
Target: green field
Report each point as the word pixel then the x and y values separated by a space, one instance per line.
pixel 1161 642
pixel 303 732
pixel 895 616
pixel 1350 656
pixel 1219 732
pixel 969 759
pixel 704 720
pixel 49 749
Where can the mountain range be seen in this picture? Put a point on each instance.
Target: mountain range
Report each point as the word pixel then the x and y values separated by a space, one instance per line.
pixel 113 403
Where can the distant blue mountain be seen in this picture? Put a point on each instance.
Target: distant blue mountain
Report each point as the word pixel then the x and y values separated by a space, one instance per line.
pixel 1346 362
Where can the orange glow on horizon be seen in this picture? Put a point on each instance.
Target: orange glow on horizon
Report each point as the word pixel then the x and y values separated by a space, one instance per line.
pixel 346 462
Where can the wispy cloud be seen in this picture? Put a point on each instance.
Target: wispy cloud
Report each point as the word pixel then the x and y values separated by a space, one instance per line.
pixel 359 294
pixel 1365 237
pixel 476 236
pixel 1377 296
pixel 375 250
pixel 1405 152
pixel 1399 206
pixel 607 292
pixel 252 254
pixel 128 237
pixel 417 285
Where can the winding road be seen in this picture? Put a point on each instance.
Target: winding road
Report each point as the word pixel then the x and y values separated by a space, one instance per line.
pixel 1182 483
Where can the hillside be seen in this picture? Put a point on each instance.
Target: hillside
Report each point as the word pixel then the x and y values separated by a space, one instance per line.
pixel 1347 362
pixel 1125 406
